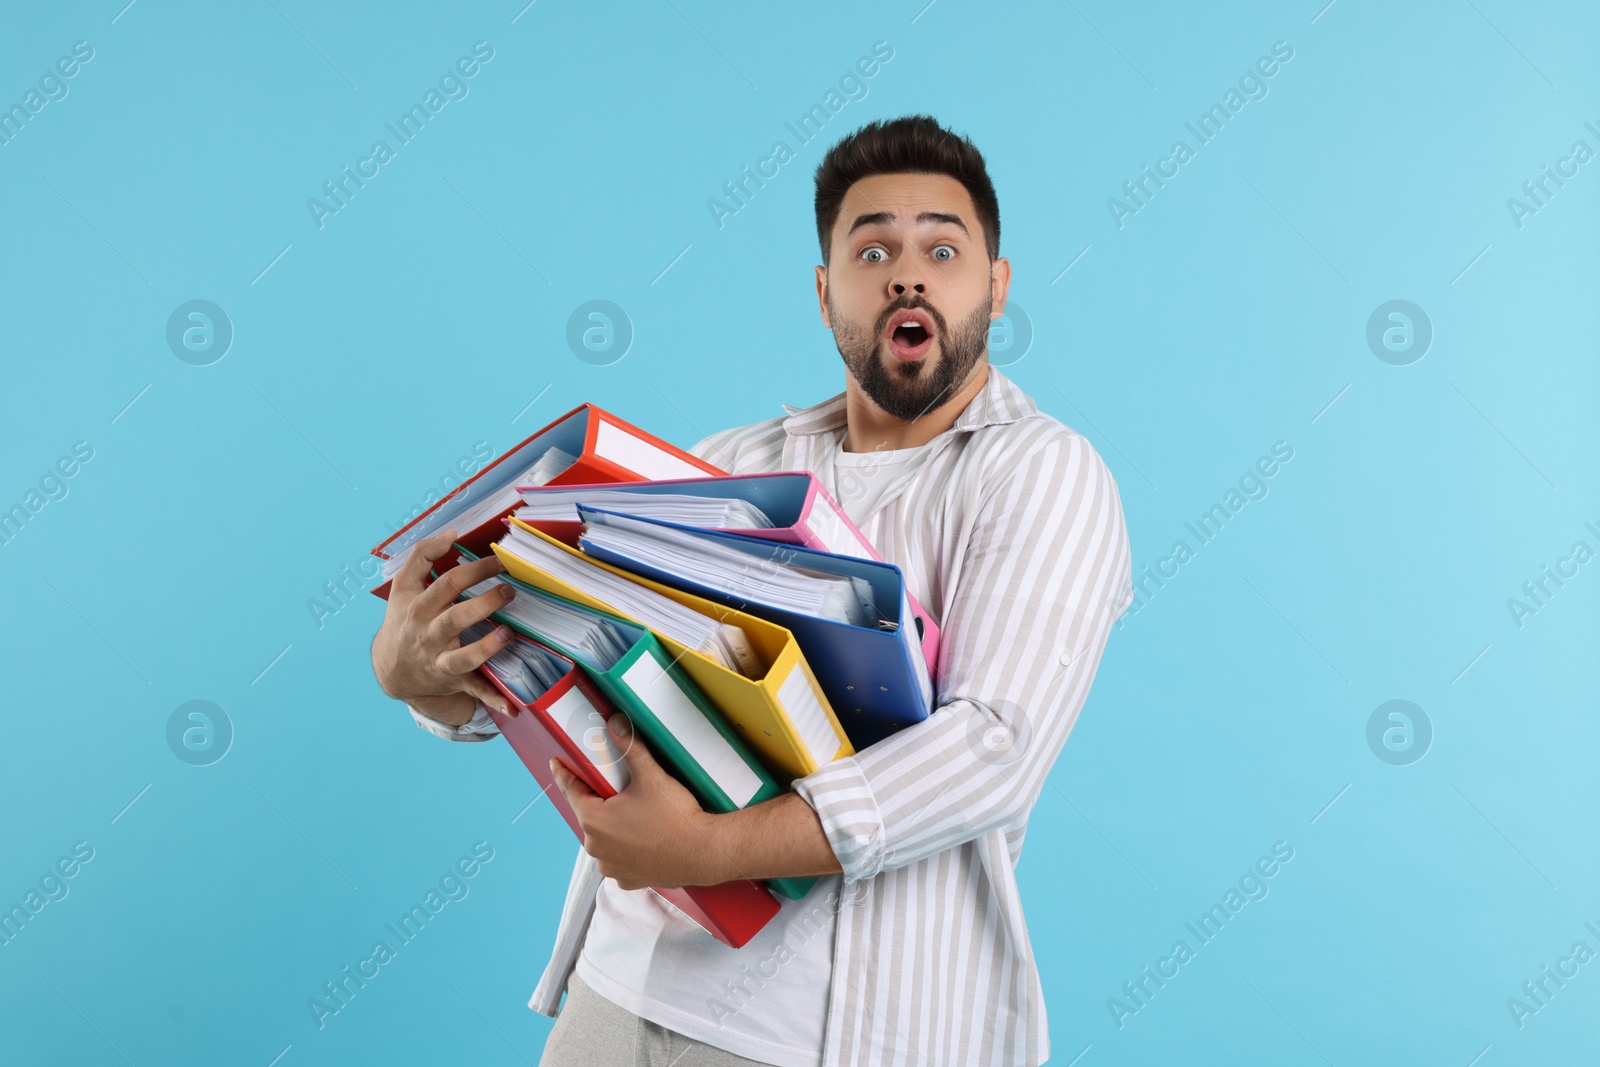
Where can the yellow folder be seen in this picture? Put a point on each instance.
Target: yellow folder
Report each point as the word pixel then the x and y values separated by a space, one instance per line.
pixel 783 715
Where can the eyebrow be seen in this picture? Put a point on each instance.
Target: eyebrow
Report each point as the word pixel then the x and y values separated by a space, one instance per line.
pixel 879 217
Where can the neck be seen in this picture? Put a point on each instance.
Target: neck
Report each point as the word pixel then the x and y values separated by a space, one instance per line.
pixel 869 428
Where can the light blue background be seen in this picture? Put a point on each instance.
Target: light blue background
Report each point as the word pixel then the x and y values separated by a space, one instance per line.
pixel 1228 314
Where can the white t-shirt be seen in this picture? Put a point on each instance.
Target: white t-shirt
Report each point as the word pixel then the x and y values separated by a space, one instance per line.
pixel 859 478
pixel 766 1001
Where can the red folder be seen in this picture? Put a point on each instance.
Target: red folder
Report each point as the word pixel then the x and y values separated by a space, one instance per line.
pixel 732 912
pixel 608 450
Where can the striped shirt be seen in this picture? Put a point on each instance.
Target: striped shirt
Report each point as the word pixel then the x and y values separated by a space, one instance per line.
pixel 1010 532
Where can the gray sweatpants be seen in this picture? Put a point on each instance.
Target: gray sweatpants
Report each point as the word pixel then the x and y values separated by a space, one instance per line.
pixel 593 1032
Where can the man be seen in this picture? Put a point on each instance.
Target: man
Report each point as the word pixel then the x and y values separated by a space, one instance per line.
pixel 912 948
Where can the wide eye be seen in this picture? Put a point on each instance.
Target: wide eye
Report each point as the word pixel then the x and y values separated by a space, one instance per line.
pixel 949 253
pixel 866 253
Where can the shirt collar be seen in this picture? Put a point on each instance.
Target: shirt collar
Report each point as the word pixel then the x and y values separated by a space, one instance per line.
pixel 999 401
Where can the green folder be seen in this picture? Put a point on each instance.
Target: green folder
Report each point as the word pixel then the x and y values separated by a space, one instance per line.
pixel 682 728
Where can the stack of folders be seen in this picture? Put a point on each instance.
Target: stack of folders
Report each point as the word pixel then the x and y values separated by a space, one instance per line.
pixel 557 711
pixel 851 617
pixel 745 625
pixel 640 677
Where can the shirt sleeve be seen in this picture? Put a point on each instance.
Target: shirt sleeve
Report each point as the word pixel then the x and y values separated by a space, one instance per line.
pixel 717 449
pixel 1044 575
pixel 478 728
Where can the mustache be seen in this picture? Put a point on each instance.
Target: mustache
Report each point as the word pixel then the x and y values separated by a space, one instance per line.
pixel 906 304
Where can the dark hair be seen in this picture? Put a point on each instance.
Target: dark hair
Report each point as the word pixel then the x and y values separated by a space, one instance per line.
pixel 912 144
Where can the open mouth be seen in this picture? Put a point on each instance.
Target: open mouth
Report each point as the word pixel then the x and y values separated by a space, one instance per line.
pixel 910 335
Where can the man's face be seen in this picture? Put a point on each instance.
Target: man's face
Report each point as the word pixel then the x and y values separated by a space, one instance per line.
pixel 909 290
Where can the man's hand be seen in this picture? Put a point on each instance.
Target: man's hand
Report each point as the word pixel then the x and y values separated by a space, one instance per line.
pixel 654 832
pixel 418 656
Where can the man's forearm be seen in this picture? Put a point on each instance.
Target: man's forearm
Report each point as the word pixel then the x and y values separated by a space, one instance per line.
pixel 778 838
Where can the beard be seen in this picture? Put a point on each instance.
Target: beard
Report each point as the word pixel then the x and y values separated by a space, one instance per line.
pixel 908 391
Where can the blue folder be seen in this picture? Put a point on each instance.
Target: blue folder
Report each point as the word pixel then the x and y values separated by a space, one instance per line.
pixel 877 680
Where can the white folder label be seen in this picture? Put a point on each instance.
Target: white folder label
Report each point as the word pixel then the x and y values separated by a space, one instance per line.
pixel 686 722
pixel 805 711
pixel 642 457
pixel 587 728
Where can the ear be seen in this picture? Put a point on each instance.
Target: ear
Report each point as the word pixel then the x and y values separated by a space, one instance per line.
pixel 999 285
pixel 822 295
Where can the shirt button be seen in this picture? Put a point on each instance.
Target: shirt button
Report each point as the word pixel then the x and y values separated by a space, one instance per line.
pixel 1066 659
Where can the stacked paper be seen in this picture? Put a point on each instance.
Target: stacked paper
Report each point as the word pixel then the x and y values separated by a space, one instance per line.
pixel 689 509
pixel 770 582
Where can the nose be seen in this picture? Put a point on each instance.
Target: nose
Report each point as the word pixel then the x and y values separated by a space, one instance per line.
pixel 907 280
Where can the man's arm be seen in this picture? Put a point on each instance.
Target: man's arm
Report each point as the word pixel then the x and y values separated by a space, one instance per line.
pixel 778 838
pixel 1044 577
pixel 1045 574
